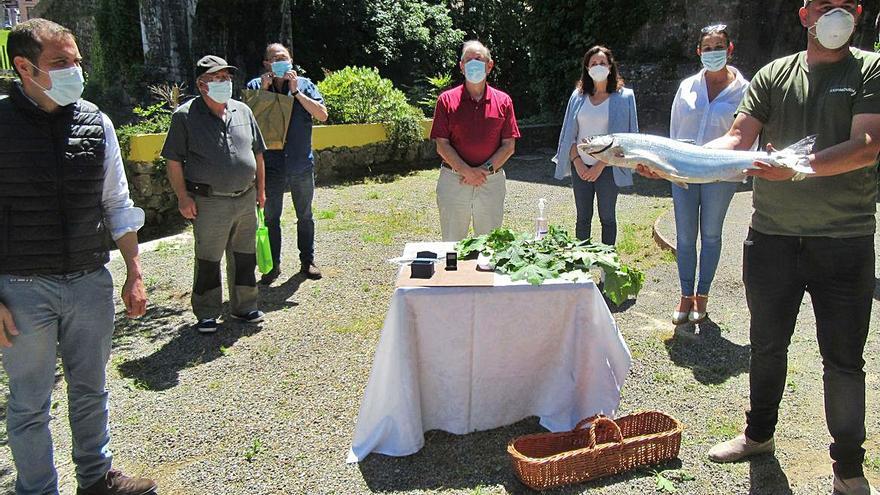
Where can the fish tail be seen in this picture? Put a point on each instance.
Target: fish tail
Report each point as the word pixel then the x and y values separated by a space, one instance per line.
pixel 795 156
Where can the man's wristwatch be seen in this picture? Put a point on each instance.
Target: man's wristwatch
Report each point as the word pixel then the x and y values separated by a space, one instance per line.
pixel 294 93
pixel 488 166
pixel 798 176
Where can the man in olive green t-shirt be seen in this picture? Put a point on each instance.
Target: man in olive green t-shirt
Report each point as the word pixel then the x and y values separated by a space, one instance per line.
pixel 812 234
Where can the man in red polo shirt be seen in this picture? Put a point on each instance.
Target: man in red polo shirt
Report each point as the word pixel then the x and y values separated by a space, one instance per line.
pixel 475 131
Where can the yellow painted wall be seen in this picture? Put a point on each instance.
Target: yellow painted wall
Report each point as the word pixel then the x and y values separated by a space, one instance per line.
pixel 146 147
pixel 5 63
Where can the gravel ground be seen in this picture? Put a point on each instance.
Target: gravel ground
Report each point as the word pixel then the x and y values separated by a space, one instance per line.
pixel 271 408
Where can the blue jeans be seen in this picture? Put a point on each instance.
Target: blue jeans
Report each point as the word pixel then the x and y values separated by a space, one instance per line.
pixel 605 192
pixel 699 207
pixel 839 275
pixel 302 190
pixel 72 315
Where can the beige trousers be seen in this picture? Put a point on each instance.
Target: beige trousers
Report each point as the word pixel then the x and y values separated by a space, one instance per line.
pixel 459 203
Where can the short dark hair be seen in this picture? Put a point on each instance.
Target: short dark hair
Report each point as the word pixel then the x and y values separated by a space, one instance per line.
pixel 26 39
pixel 615 82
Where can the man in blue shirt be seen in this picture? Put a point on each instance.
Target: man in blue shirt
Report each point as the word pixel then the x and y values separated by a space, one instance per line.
pixel 293 167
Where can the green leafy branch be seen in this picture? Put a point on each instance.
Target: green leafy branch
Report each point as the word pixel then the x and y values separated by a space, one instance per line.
pixel 556 255
pixel 667 479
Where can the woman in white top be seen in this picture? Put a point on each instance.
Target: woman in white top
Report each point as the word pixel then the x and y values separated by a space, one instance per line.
pixel 599 105
pixel 703 109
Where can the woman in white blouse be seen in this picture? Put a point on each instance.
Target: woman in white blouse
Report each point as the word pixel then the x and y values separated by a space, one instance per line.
pixel 703 109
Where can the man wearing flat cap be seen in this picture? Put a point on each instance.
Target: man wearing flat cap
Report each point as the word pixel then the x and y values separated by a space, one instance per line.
pixel 215 165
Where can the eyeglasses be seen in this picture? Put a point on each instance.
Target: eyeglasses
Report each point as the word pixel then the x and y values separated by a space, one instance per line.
pixel 714 28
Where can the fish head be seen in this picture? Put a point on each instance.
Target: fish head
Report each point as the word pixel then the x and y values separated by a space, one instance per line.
pixel 605 147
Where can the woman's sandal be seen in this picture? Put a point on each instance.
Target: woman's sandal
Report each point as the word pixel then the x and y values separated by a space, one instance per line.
pixel 682 312
pixel 698 313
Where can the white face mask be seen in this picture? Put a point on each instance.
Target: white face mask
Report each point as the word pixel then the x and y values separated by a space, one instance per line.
pixel 67 84
pixel 475 71
pixel 834 29
pixel 599 73
pixel 220 91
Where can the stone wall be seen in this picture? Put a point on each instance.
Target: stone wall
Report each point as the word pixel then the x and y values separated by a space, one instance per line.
pixel 151 191
pixel 663 51
pixel 538 136
pixel 166 29
pixel 339 164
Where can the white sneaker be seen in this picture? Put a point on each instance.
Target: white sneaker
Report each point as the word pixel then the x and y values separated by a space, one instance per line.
pixel 739 448
pixel 852 486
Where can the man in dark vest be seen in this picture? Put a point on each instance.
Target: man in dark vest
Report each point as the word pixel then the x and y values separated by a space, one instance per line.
pixel 63 194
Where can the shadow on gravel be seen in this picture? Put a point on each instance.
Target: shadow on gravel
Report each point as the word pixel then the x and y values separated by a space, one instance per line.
pixel 766 477
pixel 466 462
pixel 381 173
pixel 712 358
pixel 156 324
pixel 187 349
pixel 174 224
pixel 276 298
pixel 615 308
pixel 877 289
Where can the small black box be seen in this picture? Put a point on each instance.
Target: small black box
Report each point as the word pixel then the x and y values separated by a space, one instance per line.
pixel 421 269
pixel 451 261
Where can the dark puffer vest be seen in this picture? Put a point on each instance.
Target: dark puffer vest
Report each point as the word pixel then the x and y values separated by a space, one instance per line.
pixel 51 183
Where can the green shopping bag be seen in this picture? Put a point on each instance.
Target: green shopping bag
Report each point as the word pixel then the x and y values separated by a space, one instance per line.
pixel 264 251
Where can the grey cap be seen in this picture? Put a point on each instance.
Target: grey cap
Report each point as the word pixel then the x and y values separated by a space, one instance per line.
pixel 212 63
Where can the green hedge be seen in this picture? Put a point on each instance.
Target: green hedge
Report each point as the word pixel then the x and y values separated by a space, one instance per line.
pixel 6 80
pixel 359 95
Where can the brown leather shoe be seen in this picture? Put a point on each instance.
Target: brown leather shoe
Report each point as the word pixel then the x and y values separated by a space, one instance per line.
pixel 117 483
pixel 311 271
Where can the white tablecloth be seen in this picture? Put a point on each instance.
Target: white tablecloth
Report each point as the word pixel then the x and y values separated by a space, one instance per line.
pixel 463 359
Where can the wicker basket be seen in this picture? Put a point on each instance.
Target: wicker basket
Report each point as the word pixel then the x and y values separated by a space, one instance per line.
pixel 596 447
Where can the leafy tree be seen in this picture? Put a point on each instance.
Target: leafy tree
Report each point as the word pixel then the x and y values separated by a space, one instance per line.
pixel 501 26
pixel 117 52
pixel 359 95
pixel 561 31
pixel 406 40
pixel 412 39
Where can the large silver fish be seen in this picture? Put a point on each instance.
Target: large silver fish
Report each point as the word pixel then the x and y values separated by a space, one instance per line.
pixel 683 163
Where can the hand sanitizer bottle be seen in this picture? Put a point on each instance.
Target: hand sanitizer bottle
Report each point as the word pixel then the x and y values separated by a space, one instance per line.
pixel 541 220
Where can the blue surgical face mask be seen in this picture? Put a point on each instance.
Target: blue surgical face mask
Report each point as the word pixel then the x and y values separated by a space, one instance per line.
pixel 715 60
pixel 281 67
pixel 475 71
pixel 220 91
pixel 67 84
